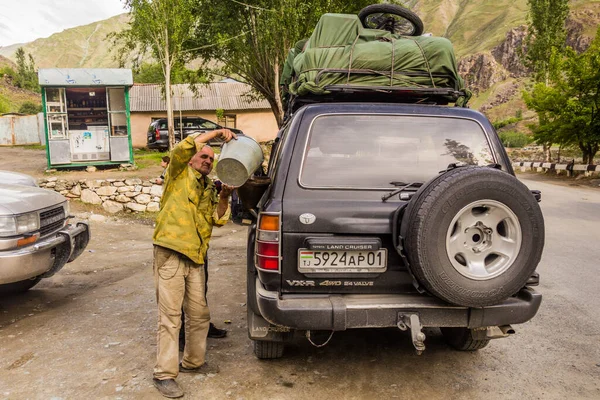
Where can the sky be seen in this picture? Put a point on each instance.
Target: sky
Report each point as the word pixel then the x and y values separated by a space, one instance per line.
pixel 22 21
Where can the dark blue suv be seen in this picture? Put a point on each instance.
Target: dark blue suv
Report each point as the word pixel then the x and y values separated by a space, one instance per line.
pixel 158 136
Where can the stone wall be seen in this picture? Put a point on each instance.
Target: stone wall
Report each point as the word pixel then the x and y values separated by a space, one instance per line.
pixel 113 194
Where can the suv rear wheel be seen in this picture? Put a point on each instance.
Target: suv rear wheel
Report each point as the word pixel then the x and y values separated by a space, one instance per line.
pixel 268 350
pixel 462 339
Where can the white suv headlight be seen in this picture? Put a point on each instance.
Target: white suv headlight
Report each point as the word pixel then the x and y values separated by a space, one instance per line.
pixel 27 223
pixel 8 226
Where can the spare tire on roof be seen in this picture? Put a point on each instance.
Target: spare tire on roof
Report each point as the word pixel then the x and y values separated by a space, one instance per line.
pixel 391 17
pixel 473 236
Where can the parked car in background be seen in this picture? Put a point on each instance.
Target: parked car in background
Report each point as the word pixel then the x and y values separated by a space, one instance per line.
pixel 158 136
pixel 36 238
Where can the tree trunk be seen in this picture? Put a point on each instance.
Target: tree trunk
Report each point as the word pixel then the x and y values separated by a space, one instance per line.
pixel 168 98
pixel 547 153
pixel 278 110
pixel 586 151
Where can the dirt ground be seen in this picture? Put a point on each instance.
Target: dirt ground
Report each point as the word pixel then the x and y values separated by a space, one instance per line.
pixel 89 332
pixel 33 162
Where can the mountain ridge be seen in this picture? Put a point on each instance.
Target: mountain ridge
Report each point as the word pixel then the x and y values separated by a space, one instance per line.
pixel 85 46
pixel 485 35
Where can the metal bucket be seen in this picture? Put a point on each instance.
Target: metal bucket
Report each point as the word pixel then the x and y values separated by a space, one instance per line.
pixel 238 160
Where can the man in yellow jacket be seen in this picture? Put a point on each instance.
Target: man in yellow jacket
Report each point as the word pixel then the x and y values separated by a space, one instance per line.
pixel 190 207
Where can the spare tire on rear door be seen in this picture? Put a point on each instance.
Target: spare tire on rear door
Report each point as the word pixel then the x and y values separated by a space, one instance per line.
pixel 473 236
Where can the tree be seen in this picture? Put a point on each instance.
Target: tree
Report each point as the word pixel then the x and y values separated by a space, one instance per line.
pixel 26 75
pixel 148 73
pixel 152 73
pixel 249 40
pixel 569 103
pixel 161 28
pixel 546 34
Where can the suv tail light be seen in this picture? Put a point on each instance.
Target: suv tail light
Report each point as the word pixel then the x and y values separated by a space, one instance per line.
pixel 267 242
pixel 157 134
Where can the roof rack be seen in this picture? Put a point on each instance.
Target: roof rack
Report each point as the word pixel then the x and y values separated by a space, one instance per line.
pixel 394 94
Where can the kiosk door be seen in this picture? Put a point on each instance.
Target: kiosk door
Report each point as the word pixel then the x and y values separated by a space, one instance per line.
pixel 117 112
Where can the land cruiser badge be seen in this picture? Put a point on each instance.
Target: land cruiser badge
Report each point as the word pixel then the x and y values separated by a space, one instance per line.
pixel 307 218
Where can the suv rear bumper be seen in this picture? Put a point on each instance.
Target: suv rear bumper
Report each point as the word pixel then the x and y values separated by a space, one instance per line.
pixel 341 312
pixel 158 145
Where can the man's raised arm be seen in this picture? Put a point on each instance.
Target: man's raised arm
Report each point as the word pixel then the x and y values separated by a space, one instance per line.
pixel 185 150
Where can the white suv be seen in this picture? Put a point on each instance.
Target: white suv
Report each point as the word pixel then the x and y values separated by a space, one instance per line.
pixel 36 239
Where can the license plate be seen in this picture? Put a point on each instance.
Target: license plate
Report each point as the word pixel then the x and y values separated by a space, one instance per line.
pixel 311 261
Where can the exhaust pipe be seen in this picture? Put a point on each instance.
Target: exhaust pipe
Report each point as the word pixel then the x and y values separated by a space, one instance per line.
pixel 507 330
pixel 497 332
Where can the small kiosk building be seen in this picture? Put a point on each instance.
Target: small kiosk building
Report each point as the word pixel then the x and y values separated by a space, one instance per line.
pixel 86 114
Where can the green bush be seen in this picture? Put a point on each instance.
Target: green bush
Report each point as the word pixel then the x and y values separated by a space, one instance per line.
pixel 30 107
pixel 4 105
pixel 508 121
pixel 514 139
pixel 7 72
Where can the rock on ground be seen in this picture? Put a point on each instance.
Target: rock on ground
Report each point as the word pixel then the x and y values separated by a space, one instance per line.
pixel 136 207
pixel 112 206
pixel 88 196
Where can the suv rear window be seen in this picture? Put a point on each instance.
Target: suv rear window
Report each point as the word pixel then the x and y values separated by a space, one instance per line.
pixel 196 124
pixel 371 151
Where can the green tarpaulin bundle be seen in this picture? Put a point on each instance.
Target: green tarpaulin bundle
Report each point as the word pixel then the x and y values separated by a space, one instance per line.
pixel 341 52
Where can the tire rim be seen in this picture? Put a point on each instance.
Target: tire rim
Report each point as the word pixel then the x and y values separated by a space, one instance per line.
pixel 483 240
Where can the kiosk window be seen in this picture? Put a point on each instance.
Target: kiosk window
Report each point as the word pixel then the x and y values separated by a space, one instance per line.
pixel 56 112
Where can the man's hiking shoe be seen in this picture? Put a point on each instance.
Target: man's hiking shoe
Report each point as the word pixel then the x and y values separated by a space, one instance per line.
pixel 168 388
pixel 205 368
pixel 216 333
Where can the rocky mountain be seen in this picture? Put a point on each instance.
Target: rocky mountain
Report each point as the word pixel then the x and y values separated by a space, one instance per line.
pixel 488 37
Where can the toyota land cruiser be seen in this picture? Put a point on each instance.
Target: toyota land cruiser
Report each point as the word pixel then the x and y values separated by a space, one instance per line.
pixel 359 229
pixel 382 205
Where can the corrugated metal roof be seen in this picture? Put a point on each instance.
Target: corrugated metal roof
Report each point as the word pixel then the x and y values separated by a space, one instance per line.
pixel 220 95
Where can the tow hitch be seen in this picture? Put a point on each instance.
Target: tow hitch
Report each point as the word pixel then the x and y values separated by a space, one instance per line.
pixel 412 321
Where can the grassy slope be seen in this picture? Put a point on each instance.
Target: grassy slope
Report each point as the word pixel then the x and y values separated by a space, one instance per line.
pixel 13 96
pixel 5 62
pixel 472 25
pixel 581 10
pixel 81 47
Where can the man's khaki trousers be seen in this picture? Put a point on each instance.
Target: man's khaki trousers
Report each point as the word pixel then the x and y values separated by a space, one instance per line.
pixel 179 282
